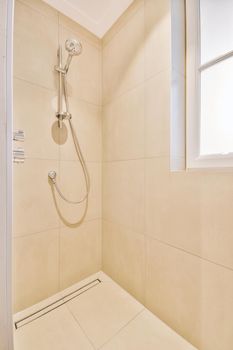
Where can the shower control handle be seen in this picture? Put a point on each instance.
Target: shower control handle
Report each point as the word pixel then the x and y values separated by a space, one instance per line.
pixel 18 155
pixel 19 135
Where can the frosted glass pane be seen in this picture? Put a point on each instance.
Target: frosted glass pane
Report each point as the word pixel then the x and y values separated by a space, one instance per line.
pixel 216 134
pixel 216 28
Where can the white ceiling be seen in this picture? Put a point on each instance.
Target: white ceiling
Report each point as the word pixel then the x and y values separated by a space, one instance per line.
pixel 95 15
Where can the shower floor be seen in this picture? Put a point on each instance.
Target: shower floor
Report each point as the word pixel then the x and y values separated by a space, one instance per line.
pixel 93 315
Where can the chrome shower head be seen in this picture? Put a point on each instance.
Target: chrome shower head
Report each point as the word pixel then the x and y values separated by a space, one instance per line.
pixel 73 46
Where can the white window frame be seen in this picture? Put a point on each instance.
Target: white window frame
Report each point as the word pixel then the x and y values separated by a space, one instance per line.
pixel 193 90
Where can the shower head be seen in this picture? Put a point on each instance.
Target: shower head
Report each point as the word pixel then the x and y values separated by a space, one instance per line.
pixel 73 46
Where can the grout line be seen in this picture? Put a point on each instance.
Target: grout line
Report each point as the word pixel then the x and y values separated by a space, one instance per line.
pixel 59 169
pixel 41 12
pixel 147 235
pixel 189 252
pixel 54 90
pixel 139 158
pixel 62 160
pixel 82 329
pixel 131 12
pixel 144 267
pixel 34 233
pixel 15 77
pixel 54 228
pixel 119 331
pixel 143 82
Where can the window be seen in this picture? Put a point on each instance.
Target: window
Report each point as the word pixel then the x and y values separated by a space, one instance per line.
pixel 209 54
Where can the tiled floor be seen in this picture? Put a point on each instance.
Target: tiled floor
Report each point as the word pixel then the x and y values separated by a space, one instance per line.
pixel 103 317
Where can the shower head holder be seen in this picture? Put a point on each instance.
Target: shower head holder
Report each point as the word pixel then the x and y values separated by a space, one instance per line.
pixel 52 176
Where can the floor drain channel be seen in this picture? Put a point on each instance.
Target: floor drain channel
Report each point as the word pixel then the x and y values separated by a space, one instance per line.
pixel 48 308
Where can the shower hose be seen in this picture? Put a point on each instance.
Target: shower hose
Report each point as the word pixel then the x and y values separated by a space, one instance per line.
pixel 78 150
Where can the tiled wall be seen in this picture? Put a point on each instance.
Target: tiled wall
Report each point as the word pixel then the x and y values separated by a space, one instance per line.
pixel 167 236
pixel 52 247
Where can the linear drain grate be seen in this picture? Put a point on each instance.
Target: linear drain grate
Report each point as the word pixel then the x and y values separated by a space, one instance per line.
pixel 59 302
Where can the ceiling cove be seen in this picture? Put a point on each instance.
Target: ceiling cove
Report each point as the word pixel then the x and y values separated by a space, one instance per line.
pixel 95 15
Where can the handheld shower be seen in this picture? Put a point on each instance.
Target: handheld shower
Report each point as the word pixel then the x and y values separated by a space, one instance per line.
pixel 74 48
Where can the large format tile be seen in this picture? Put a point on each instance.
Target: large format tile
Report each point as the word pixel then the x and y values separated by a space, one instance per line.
pixel 103 310
pixel 36 267
pixel 42 7
pixel 216 307
pixel 34 112
pixel 34 206
pixel 87 125
pixel 190 210
pixel 157 115
pixel 172 205
pixel 56 330
pixel 84 77
pixel 157 36
pixel 123 57
pixel 119 244
pixel 147 332
pixel 35 50
pixel 80 252
pixel 123 193
pixel 72 184
pixel 174 289
pixel 217 218
pixel 123 126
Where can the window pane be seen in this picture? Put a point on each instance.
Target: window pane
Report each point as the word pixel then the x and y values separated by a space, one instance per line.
pixel 216 28
pixel 217 109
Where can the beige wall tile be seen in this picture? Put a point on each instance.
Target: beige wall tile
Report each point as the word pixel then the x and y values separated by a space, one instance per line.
pixel 72 185
pixel 123 58
pixel 157 36
pixel 80 252
pixel 123 193
pixel 157 115
pixel 217 218
pixel 216 307
pixel 123 125
pixel 173 288
pixel 122 21
pixel 35 268
pixel 124 258
pixel 34 48
pixel 84 77
pixel 173 205
pixel 41 7
pixel 33 203
pixel 34 112
pixel 190 210
pixel 87 123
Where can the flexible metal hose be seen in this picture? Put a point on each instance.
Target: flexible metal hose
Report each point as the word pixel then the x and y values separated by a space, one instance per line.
pixel 78 151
